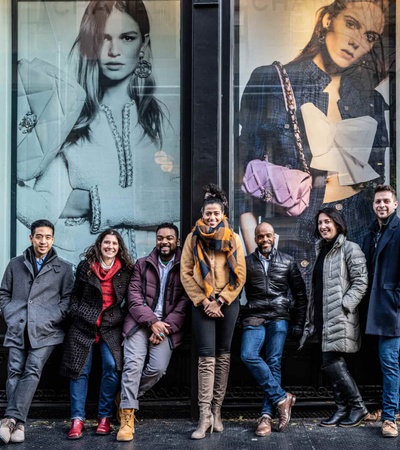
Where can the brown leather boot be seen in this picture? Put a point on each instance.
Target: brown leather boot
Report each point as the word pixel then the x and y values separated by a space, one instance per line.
pixel 222 366
pixel 127 428
pixel 206 367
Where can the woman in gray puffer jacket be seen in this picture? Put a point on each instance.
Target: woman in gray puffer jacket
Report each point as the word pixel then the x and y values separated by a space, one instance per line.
pixel 339 283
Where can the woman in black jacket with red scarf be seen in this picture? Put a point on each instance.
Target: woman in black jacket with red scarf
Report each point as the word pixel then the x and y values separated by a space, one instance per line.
pixel 97 313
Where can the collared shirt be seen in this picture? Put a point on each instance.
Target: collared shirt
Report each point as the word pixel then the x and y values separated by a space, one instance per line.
pixel 39 263
pixel 264 260
pixel 164 271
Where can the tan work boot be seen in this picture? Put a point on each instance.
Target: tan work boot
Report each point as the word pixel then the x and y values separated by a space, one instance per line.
pixel 127 428
pixel 389 429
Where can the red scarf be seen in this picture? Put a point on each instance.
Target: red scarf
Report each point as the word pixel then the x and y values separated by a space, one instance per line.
pixel 107 289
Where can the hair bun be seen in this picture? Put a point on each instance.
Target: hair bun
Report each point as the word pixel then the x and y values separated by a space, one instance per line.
pixel 211 190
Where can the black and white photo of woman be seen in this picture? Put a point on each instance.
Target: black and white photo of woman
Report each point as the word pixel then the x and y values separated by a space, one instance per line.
pixel 119 165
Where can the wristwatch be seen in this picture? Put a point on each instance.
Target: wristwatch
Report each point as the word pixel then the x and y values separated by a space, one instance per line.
pixel 219 301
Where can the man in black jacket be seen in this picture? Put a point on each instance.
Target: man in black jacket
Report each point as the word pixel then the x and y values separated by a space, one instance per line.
pixel 270 275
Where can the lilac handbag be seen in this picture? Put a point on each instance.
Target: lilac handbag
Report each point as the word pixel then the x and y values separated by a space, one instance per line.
pixel 288 188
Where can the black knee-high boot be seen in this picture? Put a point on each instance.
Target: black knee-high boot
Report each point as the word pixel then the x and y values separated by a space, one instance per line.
pixel 334 373
pixel 351 409
pixel 355 404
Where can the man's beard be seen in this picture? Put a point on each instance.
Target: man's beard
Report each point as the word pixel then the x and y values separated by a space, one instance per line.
pixel 266 251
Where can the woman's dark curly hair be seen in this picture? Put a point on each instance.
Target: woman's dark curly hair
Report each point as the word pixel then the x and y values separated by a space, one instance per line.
pixel 93 253
pixel 214 194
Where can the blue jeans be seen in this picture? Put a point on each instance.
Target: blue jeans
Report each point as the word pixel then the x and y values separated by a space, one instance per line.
pixel 267 372
pixel 389 351
pixel 108 387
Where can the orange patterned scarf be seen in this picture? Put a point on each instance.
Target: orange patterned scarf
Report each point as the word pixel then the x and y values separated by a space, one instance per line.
pixel 218 239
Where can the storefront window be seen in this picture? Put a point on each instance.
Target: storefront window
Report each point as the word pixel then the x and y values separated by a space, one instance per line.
pixel 334 143
pixel 97 120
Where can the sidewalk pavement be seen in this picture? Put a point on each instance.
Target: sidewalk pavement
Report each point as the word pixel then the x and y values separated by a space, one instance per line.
pixel 169 434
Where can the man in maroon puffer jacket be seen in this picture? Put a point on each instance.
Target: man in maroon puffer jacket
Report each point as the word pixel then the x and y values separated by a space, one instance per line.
pixel 157 306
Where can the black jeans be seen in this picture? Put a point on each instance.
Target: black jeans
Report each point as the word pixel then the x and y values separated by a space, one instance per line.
pixel 214 335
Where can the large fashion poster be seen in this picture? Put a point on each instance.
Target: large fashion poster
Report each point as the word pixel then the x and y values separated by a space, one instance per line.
pixel 98 120
pixel 314 131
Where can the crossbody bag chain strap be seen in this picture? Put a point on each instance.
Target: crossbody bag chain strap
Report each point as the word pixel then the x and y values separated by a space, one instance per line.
pixel 290 103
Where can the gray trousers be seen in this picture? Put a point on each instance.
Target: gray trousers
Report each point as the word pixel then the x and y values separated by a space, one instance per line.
pixel 24 371
pixel 136 377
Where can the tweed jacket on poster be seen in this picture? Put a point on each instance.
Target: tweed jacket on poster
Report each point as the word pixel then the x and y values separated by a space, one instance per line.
pixel 86 307
pixel 266 128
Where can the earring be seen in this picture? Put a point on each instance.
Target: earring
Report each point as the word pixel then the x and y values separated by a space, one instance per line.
pixel 143 68
pixel 322 35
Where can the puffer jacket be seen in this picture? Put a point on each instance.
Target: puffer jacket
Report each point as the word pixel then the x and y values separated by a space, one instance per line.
pixel 143 295
pixel 345 283
pixel 268 293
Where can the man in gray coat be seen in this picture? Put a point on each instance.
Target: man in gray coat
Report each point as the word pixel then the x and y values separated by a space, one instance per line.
pixel 34 300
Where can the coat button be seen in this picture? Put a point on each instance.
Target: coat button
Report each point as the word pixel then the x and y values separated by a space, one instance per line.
pixel 30 301
pixel 21 321
pixel 339 207
pixel 304 263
